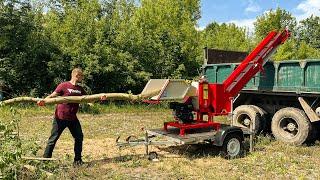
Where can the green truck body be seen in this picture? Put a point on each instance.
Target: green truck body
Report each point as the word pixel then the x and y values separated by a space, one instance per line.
pixel 285 76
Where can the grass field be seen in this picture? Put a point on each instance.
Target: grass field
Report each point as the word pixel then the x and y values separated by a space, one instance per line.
pixel 271 159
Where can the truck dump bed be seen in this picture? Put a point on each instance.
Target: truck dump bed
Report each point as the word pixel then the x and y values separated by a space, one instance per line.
pixel 286 76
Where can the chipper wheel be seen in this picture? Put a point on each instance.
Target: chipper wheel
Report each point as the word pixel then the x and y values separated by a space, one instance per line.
pixel 244 115
pixel 232 146
pixel 153 156
pixel 291 125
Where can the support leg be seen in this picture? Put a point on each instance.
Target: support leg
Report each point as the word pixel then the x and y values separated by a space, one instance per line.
pixel 182 130
pixel 147 143
pixel 165 127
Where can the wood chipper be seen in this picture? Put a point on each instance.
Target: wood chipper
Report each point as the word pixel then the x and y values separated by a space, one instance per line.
pixel 195 104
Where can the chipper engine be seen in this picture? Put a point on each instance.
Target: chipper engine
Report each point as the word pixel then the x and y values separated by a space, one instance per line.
pixel 195 104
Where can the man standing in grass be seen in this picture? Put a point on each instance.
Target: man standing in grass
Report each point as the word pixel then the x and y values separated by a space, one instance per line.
pixel 66 116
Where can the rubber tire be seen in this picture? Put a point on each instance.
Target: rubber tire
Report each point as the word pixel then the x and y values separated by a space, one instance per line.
pixel 152 156
pixel 300 118
pixel 314 134
pixel 224 149
pixel 262 118
pixel 249 111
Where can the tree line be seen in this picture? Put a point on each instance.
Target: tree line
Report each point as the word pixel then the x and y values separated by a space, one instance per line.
pixel 120 44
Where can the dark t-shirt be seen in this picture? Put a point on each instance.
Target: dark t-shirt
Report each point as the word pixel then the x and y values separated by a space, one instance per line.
pixel 68 111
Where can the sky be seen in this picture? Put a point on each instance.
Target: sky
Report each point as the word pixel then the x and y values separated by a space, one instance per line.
pixel 244 12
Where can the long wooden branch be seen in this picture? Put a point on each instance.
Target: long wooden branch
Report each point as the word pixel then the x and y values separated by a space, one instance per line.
pixel 83 99
pixel 38 158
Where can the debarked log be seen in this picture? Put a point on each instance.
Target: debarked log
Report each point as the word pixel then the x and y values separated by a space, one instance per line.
pixel 83 99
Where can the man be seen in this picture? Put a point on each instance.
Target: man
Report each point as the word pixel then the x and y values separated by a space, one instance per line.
pixel 65 115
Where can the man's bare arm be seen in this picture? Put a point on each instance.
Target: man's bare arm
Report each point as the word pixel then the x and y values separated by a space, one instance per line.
pixel 52 95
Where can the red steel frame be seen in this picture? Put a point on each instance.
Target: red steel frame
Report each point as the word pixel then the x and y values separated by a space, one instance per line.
pixel 216 99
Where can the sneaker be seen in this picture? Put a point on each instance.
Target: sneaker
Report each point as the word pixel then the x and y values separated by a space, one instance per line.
pixel 77 163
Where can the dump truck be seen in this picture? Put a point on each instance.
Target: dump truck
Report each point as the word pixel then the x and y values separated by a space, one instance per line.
pixel 284 98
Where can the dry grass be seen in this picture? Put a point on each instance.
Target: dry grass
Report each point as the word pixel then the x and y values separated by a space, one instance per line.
pixel 271 160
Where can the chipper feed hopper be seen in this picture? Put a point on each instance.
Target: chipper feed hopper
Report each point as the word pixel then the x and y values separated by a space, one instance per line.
pixel 195 104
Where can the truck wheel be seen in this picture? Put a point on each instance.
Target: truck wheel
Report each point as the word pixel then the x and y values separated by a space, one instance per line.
pixel 232 146
pixel 244 115
pixel 314 133
pixel 290 125
pixel 262 118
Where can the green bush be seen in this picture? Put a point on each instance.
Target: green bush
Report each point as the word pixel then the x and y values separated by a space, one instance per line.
pixel 12 148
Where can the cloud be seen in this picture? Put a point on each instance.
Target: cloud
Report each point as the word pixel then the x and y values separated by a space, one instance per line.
pixel 253 7
pixel 246 23
pixel 307 8
pixel 200 28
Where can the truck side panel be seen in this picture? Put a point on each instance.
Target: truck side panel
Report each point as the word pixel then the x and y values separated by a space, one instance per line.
pixel 286 76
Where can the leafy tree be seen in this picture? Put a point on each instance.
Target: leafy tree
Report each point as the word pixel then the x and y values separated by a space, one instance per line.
pixel 226 37
pixel 294 49
pixel 73 26
pixel 163 38
pixel 120 44
pixel 24 50
pixel 305 51
pixel 309 31
pixel 299 46
pixel 278 19
pixel 89 34
pixel 286 51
